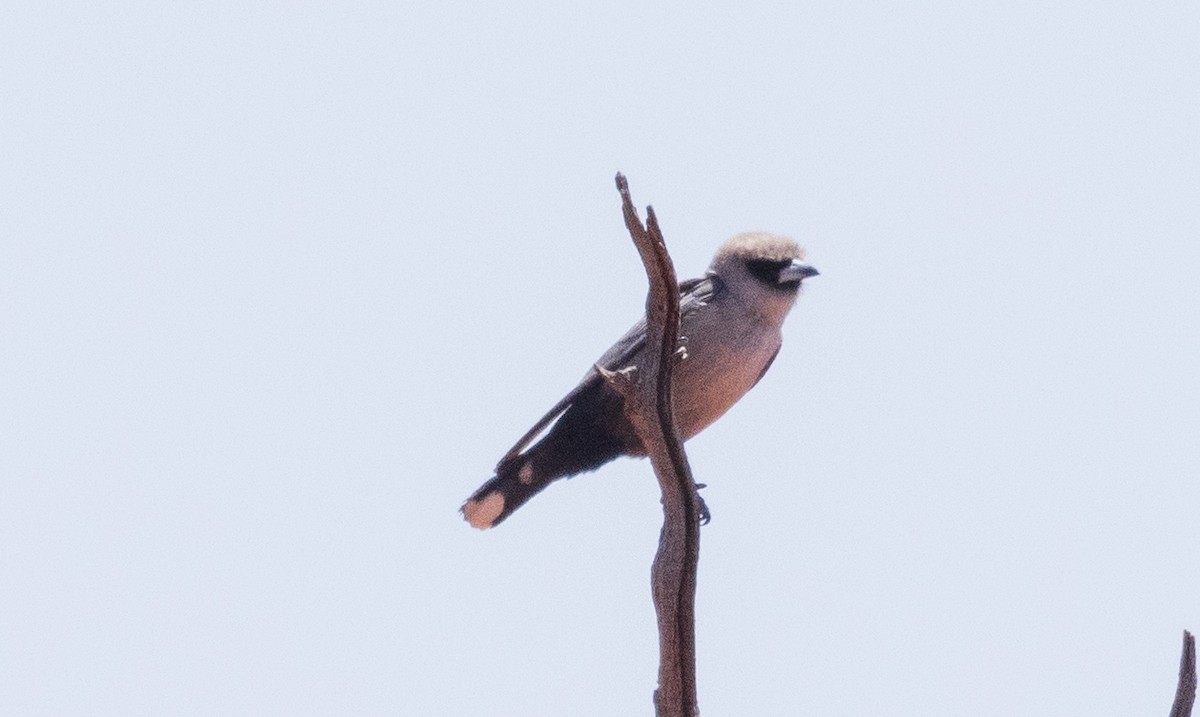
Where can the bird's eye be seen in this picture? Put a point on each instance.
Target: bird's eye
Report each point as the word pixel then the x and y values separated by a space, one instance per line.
pixel 767 271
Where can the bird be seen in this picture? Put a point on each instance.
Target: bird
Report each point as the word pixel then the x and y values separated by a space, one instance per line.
pixel 729 334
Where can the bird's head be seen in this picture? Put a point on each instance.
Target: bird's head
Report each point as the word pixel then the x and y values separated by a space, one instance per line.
pixel 765 270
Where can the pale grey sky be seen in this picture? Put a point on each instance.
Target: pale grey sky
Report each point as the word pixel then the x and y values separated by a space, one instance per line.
pixel 280 283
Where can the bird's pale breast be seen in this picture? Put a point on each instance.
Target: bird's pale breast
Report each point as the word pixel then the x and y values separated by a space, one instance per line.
pixel 721 369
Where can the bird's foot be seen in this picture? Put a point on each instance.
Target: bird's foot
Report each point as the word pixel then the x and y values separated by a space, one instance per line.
pixel 701 507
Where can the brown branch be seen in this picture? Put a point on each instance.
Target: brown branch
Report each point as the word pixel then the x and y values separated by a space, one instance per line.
pixel 649 408
pixel 1185 693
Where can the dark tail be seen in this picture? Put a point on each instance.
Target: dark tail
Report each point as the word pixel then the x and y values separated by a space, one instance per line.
pixel 589 434
pixel 500 496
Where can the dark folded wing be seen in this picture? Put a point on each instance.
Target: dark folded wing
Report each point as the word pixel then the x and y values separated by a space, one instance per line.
pixel 693 295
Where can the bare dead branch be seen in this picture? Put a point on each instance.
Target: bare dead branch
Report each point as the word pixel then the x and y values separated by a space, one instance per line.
pixel 648 404
pixel 1185 693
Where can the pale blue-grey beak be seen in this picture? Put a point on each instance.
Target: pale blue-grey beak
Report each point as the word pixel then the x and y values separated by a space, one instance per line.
pixel 797 271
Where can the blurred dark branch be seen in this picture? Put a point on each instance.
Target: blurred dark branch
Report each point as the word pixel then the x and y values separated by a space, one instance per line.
pixel 649 408
pixel 1185 693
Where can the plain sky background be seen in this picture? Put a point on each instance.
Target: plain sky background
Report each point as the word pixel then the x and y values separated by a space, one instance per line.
pixel 280 282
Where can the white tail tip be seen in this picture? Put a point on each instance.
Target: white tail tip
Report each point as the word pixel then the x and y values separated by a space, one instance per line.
pixel 482 513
